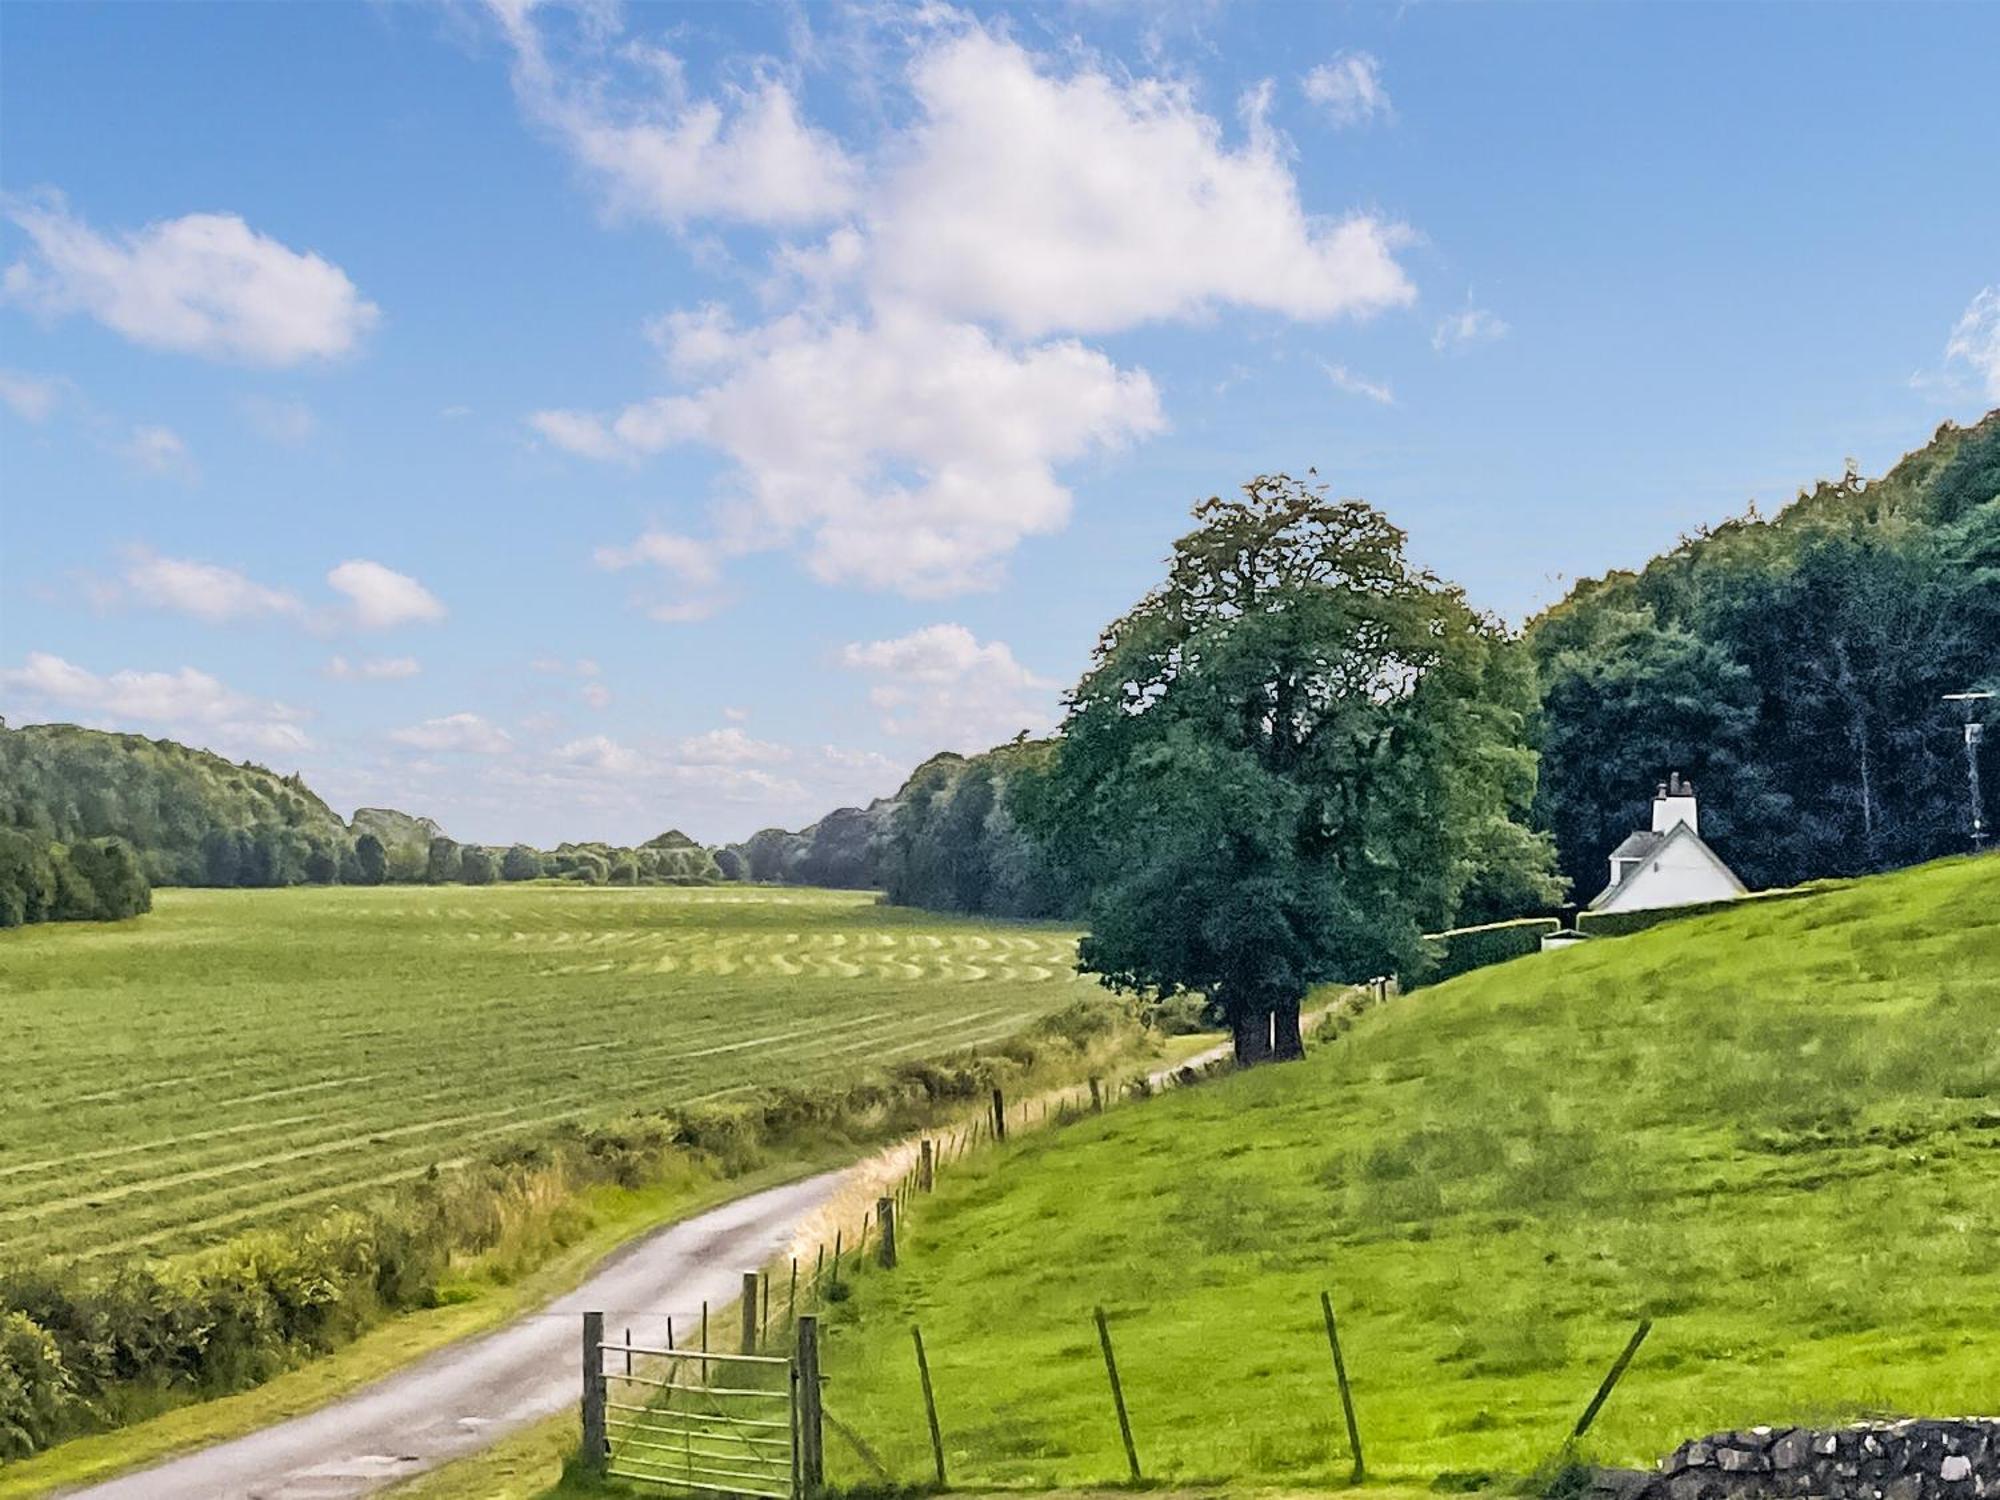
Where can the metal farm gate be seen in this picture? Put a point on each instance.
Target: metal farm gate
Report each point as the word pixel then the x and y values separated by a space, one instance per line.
pixel 703 1423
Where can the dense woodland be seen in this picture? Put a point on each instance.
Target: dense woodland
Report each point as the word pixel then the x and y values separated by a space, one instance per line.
pixel 1794 667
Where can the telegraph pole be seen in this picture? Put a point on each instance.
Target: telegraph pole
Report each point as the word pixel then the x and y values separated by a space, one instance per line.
pixel 1973 730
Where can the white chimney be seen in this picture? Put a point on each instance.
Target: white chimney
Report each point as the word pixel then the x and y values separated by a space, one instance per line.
pixel 1674 803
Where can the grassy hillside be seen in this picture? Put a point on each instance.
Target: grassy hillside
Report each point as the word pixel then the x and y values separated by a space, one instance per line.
pixel 242 1055
pixel 1773 1130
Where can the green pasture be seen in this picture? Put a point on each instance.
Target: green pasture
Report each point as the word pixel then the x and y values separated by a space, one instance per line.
pixel 238 1055
pixel 1775 1131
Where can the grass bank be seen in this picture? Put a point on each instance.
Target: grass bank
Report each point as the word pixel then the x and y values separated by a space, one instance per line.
pixel 1772 1130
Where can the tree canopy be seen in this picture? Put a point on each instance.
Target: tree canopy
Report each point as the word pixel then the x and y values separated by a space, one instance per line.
pixel 1285 762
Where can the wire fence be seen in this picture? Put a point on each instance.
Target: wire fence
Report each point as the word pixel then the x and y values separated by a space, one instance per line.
pixel 751 1420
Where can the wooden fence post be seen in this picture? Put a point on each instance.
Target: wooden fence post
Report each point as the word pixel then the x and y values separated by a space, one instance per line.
pixel 1097 1096
pixel 596 1451
pixel 834 1276
pixel 930 1404
pixel 792 1301
pixel 1346 1395
pixel 926 1167
pixel 1118 1395
pixel 1617 1370
pixel 885 1210
pixel 805 1370
pixel 628 1351
pixel 999 1118
pixel 747 1340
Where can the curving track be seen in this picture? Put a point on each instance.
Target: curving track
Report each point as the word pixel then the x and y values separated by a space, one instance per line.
pixel 471 1394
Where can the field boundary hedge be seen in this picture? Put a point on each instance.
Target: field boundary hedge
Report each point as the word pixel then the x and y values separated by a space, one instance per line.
pixel 1463 949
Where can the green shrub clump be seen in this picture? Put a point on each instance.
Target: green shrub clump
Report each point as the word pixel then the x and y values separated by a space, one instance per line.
pixel 89 880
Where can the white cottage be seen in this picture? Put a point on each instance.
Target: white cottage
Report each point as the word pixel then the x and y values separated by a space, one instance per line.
pixel 1670 866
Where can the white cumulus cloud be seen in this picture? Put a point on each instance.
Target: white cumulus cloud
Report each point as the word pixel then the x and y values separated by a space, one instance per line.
pixel 207 591
pixel 205 283
pixel 466 732
pixel 380 597
pixel 904 416
pixel 943 684
pixel 1348 86
pixel 188 704
pixel 623 112
pixel 1092 203
pixel 910 454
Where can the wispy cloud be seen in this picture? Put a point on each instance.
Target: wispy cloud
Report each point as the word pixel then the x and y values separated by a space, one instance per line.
pixel 1474 325
pixel 1348 88
pixel 1346 380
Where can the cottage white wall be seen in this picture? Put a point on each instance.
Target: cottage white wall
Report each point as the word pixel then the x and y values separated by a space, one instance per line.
pixel 1678 875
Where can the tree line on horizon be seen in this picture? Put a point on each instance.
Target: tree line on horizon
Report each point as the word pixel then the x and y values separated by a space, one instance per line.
pixel 1794 667
pixel 90 821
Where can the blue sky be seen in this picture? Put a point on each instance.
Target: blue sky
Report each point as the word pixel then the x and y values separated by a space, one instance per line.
pixel 574 422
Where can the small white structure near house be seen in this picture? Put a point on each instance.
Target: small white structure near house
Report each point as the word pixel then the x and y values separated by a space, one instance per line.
pixel 1669 866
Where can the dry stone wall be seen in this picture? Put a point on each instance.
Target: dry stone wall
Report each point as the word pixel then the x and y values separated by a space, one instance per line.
pixel 1913 1460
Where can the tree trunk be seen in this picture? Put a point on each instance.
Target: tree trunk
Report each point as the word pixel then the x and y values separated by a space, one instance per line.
pixel 1250 1026
pixel 1286 1041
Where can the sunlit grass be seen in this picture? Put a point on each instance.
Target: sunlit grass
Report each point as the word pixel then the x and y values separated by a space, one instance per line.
pixel 237 1056
pixel 1772 1130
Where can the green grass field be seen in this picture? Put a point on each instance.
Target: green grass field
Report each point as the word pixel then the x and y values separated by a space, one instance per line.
pixel 240 1055
pixel 1776 1131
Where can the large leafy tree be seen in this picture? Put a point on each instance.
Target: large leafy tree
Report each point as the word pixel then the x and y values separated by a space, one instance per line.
pixel 1283 762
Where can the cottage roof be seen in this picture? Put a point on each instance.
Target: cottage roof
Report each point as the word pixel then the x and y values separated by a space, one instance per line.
pixel 1644 849
pixel 1638 845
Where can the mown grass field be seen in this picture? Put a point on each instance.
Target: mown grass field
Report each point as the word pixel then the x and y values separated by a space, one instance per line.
pixel 236 1056
pixel 1776 1131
